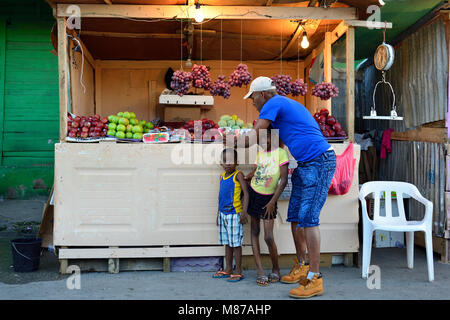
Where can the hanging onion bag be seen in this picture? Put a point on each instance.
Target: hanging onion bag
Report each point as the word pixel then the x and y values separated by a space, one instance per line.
pixel 345 169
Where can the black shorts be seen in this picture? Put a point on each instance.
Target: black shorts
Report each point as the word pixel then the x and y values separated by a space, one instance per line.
pixel 256 203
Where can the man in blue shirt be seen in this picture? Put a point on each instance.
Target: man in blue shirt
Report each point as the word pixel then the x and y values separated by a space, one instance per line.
pixel 310 180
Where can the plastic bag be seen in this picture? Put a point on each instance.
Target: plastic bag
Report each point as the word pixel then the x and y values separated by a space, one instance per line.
pixel 345 169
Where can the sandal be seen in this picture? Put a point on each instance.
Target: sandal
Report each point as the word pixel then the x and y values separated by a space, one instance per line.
pixel 221 274
pixel 235 278
pixel 262 281
pixel 273 277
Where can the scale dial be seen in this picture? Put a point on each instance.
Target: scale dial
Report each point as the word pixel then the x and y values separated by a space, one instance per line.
pixel 384 57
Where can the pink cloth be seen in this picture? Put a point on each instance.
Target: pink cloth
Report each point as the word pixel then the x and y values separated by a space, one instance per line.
pixel 386 143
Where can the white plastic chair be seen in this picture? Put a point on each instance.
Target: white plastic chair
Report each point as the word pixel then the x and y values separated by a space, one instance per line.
pixel 390 223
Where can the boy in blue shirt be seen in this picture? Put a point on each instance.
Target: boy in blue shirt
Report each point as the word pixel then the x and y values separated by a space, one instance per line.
pixel 232 215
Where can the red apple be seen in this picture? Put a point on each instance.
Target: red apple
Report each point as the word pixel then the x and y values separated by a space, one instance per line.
pixel 331 120
pixel 322 119
pixel 99 124
pixel 97 116
pixel 85 129
pixel 87 124
pixel 105 120
pixel 75 124
pixel 324 112
pixel 84 135
pixel 77 119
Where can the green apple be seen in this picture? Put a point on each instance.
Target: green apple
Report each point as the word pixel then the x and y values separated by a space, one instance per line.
pixel 149 125
pixel 111 118
pixel 137 129
pixel 129 128
pixel 126 114
pixel 142 123
pixel 124 121
pixel 137 135
pixel 134 121
pixel 121 128
pixel 112 126
pixel 129 135
pixel 120 134
pixel 132 115
pixel 120 114
pixel 111 133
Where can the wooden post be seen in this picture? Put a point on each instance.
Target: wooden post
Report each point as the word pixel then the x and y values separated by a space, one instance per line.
pixel 2 80
pixel 327 65
pixel 350 111
pixel 62 69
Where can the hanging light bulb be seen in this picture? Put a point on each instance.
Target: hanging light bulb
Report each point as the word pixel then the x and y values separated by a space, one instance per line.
pixel 198 13
pixel 305 42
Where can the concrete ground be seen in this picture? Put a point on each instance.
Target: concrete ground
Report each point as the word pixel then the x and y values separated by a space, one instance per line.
pixel 343 283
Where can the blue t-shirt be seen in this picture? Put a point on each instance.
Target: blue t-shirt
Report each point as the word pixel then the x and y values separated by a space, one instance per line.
pixel 298 128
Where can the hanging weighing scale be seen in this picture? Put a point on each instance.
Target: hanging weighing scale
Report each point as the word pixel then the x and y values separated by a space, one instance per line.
pixel 383 60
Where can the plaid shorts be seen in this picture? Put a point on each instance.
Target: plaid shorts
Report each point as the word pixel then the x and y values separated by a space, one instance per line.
pixel 231 230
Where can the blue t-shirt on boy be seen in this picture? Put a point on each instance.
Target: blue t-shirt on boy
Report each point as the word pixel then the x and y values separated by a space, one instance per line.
pixel 298 128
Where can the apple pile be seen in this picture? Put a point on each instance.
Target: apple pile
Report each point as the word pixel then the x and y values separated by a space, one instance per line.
pixel 195 130
pixel 328 124
pixel 84 127
pixel 125 125
pixel 282 83
pixel 220 88
pixel 181 82
pixel 240 76
pixel 325 90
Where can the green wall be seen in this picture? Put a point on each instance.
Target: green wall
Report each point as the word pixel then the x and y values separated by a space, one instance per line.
pixel 29 111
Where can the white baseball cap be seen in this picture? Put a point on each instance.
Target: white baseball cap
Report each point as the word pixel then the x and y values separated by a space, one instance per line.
pixel 260 84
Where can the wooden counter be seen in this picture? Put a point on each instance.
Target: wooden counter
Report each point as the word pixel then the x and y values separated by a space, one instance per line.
pixel 139 195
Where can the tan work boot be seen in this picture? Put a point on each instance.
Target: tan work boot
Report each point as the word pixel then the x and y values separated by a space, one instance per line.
pixel 313 287
pixel 298 272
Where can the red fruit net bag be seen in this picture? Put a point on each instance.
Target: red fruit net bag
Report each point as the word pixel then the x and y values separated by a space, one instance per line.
pixel 343 176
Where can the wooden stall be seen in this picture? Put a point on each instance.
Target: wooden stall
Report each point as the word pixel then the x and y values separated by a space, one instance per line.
pixel 131 200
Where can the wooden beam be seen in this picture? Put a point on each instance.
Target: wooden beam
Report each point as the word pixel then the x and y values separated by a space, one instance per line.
pixel 369 24
pixel 205 33
pixel 63 77
pixel 291 41
pixel 338 32
pixel 327 64
pixel 423 134
pixel 86 52
pixel 209 12
pixel 350 92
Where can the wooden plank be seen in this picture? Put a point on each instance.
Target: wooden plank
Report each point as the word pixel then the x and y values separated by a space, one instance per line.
pixel 98 253
pixel 22 142
pixel 209 12
pixel 369 24
pixel 285 261
pixel 350 98
pixel 2 80
pixel 63 77
pixel 440 245
pixel 424 134
pixel 328 64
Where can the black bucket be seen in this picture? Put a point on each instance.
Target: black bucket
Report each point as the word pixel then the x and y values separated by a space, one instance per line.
pixel 26 254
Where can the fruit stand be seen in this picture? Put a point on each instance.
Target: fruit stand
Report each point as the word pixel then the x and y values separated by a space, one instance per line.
pixel 118 197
